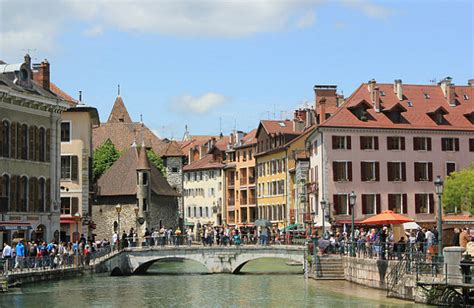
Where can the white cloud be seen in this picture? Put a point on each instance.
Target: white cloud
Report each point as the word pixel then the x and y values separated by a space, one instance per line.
pixel 370 9
pixel 306 20
pixel 94 31
pixel 198 104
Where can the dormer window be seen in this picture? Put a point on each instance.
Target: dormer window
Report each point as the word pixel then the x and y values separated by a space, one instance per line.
pixel 410 104
pixel 427 96
pixel 360 111
pixel 438 116
pixel 466 97
pixel 382 93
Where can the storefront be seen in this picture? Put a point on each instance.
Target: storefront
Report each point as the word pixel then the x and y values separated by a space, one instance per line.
pixel 14 231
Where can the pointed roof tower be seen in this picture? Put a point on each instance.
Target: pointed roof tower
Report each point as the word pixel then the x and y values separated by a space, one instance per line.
pixel 142 160
pixel 119 112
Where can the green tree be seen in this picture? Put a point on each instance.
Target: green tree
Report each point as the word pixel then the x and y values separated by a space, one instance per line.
pixel 156 161
pixel 104 157
pixel 459 191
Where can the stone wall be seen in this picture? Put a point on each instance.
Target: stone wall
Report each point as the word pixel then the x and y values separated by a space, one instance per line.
pixel 175 179
pixel 105 215
pixel 374 273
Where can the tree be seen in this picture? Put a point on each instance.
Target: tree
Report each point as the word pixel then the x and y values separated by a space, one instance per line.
pixel 104 157
pixel 459 191
pixel 156 161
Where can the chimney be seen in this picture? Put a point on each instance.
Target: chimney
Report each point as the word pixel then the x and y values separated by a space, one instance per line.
pixel 239 136
pixel 450 95
pixel 470 82
pixel 371 84
pixel 41 74
pixel 322 110
pixel 298 125
pixel 375 95
pixel 444 84
pixel 397 88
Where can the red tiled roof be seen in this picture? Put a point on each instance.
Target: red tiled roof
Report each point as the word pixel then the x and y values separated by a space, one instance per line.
pixel 283 127
pixel 206 162
pixel 119 113
pixel 56 90
pixel 250 137
pixel 417 116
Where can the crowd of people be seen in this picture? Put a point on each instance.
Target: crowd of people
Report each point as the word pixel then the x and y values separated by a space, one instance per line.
pixel 40 254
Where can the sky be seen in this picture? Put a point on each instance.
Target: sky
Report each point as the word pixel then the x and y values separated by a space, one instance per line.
pixel 219 65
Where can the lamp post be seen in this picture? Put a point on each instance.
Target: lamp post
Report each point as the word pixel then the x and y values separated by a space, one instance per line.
pixel 352 201
pixel 118 208
pixel 314 236
pixel 323 209
pixel 439 191
pixel 77 218
pixel 136 209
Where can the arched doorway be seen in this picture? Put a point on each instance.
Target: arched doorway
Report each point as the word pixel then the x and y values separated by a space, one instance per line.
pixel 39 233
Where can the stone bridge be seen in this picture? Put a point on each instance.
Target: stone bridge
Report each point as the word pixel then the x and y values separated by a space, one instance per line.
pixel 215 259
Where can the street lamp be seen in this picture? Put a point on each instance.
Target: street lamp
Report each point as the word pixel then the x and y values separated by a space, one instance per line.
pixel 439 191
pixel 136 209
pixel 352 201
pixel 118 208
pixel 77 218
pixel 323 209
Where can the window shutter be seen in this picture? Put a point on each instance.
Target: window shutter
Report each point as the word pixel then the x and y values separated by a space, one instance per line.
pixel 402 143
pixel 334 171
pixel 48 145
pixel 13 137
pixel 31 143
pixel 334 142
pixel 430 171
pixel 416 143
pixel 443 144
pixel 48 196
pixel 335 202
pixel 376 143
pixel 37 144
pixel 405 204
pixel 31 195
pixel 417 172
pixel 431 205
pixel 74 168
pixel 364 204
pixel 389 171
pixel 471 145
pixel 362 145
pixel 348 141
pixel 428 142
pixel 363 176
pixel 391 201
pixel 74 205
pixel 377 171
pixel 349 171
pixel 13 193
pixel 404 171
pixel 456 144
pixel 417 203
pixel 379 203
pixel 36 196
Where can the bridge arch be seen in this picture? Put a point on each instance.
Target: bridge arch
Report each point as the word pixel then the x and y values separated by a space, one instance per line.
pixel 143 267
pixel 244 259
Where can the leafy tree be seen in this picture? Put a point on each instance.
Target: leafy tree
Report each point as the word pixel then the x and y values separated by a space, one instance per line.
pixel 459 191
pixel 104 157
pixel 156 161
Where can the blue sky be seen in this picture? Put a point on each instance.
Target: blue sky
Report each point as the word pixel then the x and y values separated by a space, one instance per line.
pixel 198 62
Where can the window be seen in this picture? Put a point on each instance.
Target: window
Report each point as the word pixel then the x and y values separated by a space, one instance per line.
pixel 369 142
pixel 450 167
pixel 421 144
pixel 423 171
pixel 189 211
pixel 207 211
pixel 5 139
pixel 341 142
pixel 145 204
pixel 342 171
pixel 69 205
pixel 24 141
pixel 195 212
pixel 396 143
pixel 450 144
pixel 41 195
pixel 145 178
pixel 427 96
pixel 396 171
pixel 341 204
pixel 471 145
pixel 200 211
pixel 424 203
pixel 65 131
pixel 4 193
pixel 69 167
pixel 369 171
pixel 397 203
pixel 42 144
pixel 174 169
pixel 23 194
pixel 371 204
pixel 466 97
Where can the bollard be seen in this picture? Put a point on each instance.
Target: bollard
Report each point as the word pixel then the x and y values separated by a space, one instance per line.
pixel 452 259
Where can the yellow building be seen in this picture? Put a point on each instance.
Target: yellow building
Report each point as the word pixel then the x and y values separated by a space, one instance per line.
pixel 278 143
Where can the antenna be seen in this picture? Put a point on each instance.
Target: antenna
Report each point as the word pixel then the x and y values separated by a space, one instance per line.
pixel 118 89
pixel 30 51
pixel 220 124
pixel 80 96
pixel 141 118
pixel 433 81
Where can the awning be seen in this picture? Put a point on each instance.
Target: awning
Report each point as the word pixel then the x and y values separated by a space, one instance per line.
pixel 290 227
pixel 68 221
pixel 458 220
pixel 14 225
pixel 189 224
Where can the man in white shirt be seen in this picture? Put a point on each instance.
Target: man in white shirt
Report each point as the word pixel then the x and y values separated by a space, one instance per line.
pixel 114 240
pixel 7 251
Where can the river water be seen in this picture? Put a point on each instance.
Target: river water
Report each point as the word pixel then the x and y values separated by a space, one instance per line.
pixel 264 283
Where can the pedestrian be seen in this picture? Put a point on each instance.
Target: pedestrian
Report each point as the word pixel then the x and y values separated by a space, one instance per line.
pixel 189 233
pixel 455 241
pixel 147 237
pixel 114 240
pixel 464 237
pixel 20 254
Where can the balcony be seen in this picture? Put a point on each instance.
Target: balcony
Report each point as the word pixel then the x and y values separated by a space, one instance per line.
pixel 231 183
pixel 243 181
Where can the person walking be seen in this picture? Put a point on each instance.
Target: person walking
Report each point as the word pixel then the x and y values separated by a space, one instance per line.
pixel 114 240
pixel 20 254
pixel 464 237
pixel 189 233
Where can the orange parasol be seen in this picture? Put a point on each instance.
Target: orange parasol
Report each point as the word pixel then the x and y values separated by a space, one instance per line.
pixel 386 218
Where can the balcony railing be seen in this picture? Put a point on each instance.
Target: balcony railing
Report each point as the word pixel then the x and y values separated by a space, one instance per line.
pixel 231 182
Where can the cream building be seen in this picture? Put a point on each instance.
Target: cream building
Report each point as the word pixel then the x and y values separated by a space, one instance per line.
pixel 30 114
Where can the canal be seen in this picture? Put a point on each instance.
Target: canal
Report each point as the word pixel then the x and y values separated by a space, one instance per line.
pixel 263 283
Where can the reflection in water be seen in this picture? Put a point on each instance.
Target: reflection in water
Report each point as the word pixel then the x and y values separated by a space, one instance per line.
pixel 163 287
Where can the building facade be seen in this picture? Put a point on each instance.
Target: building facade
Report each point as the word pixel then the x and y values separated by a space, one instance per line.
pixel 388 143
pixel 30 115
pixel 241 201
